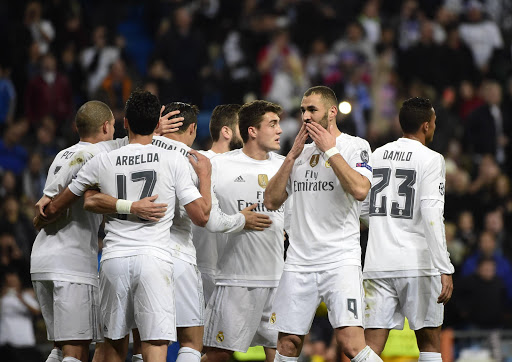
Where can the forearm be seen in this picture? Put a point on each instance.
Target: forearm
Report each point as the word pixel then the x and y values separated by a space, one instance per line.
pixel 351 181
pixel 205 186
pixel 99 203
pixel 436 239
pixel 275 193
pixel 60 203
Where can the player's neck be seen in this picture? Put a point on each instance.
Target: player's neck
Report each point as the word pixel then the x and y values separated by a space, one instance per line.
pixel 417 137
pixel 180 137
pixel 252 150
pixel 92 139
pixel 220 147
pixel 141 139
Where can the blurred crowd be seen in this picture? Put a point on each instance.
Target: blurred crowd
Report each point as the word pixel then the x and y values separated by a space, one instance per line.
pixel 373 53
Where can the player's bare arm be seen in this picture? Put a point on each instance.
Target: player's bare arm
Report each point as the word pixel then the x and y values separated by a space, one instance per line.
pixel 146 208
pixel 352 181
pixel 447 288
pixel 199 209
pixel 275 193
pixel 254 220
pixel 168 124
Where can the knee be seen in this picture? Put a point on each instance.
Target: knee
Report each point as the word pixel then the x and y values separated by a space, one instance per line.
pixel 289 345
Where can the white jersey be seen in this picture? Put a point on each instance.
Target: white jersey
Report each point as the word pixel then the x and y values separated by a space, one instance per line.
pixel 133 172
pixel 67 250
pixel 324 225
pixel 406 173
pixel 249 258
pixel 181 229
pixel 205 241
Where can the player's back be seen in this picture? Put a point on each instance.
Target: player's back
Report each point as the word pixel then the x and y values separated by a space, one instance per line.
pixel 405 173
pixel 134 172
pixel 67 247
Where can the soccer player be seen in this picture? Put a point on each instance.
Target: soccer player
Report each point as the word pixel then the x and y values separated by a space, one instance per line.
pixel 407 268
pixel 135 251
pixel 226 137
pixel 249 268
pixel 327 179
pixel 64 263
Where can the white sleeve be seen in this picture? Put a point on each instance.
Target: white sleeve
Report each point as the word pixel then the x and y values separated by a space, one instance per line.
pixel 361 161
pixel 219 222
pixel 65 173
pixel 88 176
pixel 186 191
pixel 433 221
pixel 364 217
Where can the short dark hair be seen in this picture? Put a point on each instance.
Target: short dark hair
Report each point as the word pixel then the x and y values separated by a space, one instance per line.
pixel 414 112
pixel 187 111
pixel 142 111
pixel 224 115
pixel 251 115
pixel 326 93
pixel 91 116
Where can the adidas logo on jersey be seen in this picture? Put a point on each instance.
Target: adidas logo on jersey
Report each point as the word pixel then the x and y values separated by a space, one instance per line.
pixel 239 179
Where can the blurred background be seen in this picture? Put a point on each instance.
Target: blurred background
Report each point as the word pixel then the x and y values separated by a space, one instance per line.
pixel 57 54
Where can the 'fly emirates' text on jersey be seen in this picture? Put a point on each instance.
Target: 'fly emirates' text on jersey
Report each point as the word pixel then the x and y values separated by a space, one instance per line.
pixel 249 258
pixel 133 172
pixel 405 173
pixel 324 226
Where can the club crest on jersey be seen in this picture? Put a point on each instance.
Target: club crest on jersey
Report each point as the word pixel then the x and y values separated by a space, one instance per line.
pixel 327 164
pixel 263 180
pixel 273 318
pixel 441 188
pixel 220 337
pixel 314 160
pixel 365 157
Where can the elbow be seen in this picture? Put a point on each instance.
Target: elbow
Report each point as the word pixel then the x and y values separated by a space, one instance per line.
pixel 360 193
pixel 202 220
pixel 270 205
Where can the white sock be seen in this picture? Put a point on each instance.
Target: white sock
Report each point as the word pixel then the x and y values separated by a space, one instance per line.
pixel 280 358
pixel 137 358
pixel 70 359
pixel 366 355
pixel 430 356
pixel 187 354
pixel 55 356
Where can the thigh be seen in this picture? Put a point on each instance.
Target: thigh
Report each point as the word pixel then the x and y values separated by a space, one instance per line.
pixel 76 312
pixel 418 297
pixel 189 294
pixel 382 309
pixel 295 303
pixel 264 336
pixel 116 299
pixel 44 294
pixel 342 291
pixel 154 299
pixel 233 317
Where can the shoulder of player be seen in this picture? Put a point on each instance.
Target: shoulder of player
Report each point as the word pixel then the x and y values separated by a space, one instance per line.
pixel 277 157
pixel 219 157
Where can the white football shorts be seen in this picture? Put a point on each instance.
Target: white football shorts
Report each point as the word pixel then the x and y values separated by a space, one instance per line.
pixel 189 294
pixel 208 279
pixel 389 300
pixel 138 292
pixel 70 310
pixel 237 318
pixel 299 294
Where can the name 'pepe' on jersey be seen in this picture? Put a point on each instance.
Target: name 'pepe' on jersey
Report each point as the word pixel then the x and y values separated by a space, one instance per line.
pixel 162 173
pixel 249 258
pixel 325 225
pixel 406 174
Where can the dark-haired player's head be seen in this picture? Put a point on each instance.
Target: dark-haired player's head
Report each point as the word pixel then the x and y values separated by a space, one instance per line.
pixel 252 115
pixel 319 104
pixel 187 111
pixel 142 111
pixel 93 118
pixel 417 114
pixel 224 119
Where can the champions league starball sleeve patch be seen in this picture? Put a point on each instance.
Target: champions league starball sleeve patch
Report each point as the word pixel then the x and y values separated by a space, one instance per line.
pixel 365 157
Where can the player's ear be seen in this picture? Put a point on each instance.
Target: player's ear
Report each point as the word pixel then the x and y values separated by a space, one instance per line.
pixel 105 127
pixel 158 125
pixel 226 132
pixel 252 132
pixel 333 111
pixel 126 123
